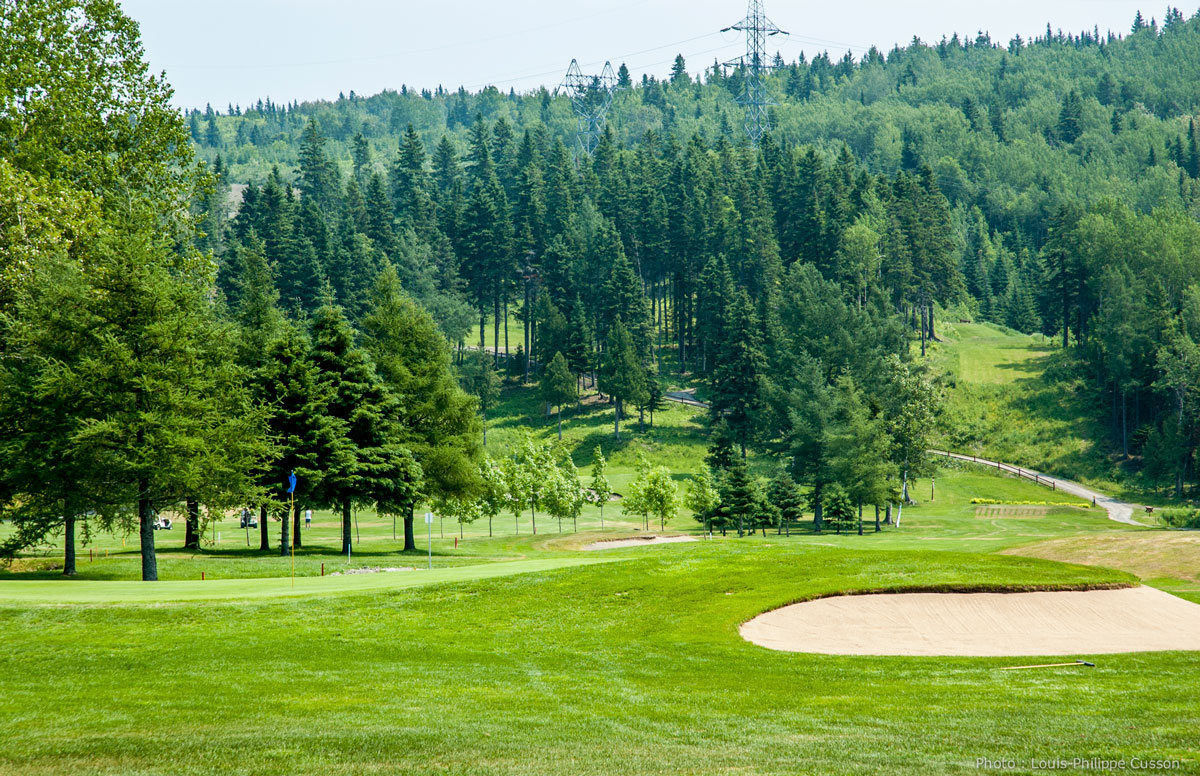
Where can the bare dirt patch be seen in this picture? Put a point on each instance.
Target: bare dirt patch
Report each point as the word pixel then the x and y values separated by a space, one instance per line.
pixel 1139 619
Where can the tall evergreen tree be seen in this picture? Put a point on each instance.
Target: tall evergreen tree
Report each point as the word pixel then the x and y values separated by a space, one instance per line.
pixel 622 377
pixel 738 381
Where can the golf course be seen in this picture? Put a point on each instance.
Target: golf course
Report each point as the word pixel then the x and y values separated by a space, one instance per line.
pixel 432 389
pixel 524 654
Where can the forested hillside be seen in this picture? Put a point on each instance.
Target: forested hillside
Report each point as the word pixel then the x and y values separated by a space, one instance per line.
pixel 1047 185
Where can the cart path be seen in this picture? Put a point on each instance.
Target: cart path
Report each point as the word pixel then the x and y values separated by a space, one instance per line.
pixel 1119 511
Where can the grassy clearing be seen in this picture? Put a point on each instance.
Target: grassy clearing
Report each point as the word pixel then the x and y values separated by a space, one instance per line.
pixel 633 667
pixel 1010 400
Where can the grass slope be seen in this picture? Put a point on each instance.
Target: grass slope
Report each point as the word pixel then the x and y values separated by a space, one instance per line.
pixel 1011 399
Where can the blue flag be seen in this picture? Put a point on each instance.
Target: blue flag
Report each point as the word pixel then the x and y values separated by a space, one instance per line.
pixel 291 482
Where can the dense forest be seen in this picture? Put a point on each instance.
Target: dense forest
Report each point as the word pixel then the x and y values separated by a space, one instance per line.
pixel 347 315
pixel 1055 178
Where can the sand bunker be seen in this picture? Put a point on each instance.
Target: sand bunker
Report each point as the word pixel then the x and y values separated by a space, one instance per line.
pixel 637 541
pixel 1139 619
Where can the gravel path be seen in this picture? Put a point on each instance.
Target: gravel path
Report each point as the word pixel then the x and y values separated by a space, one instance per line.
pixel 1119 511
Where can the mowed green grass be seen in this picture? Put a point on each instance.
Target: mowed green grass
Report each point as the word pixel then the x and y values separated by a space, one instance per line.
pixel 633 667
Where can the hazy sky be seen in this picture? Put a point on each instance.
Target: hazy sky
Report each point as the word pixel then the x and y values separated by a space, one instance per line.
pixel 238 51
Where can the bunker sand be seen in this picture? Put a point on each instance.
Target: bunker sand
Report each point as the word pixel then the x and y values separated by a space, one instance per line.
pixel 640 541
pixel 1138 619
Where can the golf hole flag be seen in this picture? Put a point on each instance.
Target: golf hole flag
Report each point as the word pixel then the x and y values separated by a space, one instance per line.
pixel 292 482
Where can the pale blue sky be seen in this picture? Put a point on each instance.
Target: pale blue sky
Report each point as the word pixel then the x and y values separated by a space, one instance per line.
pixel 223 51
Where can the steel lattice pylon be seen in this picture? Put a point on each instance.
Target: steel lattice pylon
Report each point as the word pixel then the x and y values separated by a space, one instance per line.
pixel 591 96
pixel 754 97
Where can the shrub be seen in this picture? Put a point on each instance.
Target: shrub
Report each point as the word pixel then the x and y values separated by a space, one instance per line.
pixel 1182 517
pixel 991 501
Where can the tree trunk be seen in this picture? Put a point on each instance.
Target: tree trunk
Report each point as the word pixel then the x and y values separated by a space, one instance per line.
pixel 346 526
pixel 1066 323
pixel 296 510
pixel 877 528
pixel 483 417
pixel 932 333
pixel 285 529
pixel 1124 424
pixel 191 535
pixel 146 535
pixel 410 542
pixel 560 423
pixel 617 421
pixel 496 324
pixel 528 316
pixel 533 513
pixel 923 330
pixel 817 510
pixel 264 541
pixel 887 517
pixel 860 518
pixel 69 545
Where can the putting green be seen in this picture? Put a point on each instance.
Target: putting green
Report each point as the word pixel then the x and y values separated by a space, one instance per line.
pixel 96 592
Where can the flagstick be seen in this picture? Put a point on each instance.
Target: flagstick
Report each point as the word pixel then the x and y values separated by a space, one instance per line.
pixel 291 516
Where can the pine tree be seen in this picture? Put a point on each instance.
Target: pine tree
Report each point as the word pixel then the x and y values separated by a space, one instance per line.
pixel 434 418
pixel 858 449
pixel 784 494
pixel 369 412
pixel 741 499
pixel 623 377
pixel 558 386
pixel 411 186
pixel 1070 118
pixel 738 381
pixel 148 392
pixel 679 73
pixel 838 507
pixel 319 179
pixel 308 441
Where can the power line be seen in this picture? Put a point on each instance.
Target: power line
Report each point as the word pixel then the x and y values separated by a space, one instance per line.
pixel 757 28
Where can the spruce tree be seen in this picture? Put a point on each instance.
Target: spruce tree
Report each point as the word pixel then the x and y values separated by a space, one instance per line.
pixel 558 386
pixel 623 377
pixel 361 401
pixel 738 381
pixel 784 494
pixel 433 417
pixel 308 441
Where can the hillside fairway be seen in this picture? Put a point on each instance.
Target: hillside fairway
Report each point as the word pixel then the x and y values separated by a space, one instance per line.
pixel 1007 401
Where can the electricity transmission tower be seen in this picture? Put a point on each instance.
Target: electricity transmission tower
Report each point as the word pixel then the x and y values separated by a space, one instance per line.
pixel 754 96
pixel 591 96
